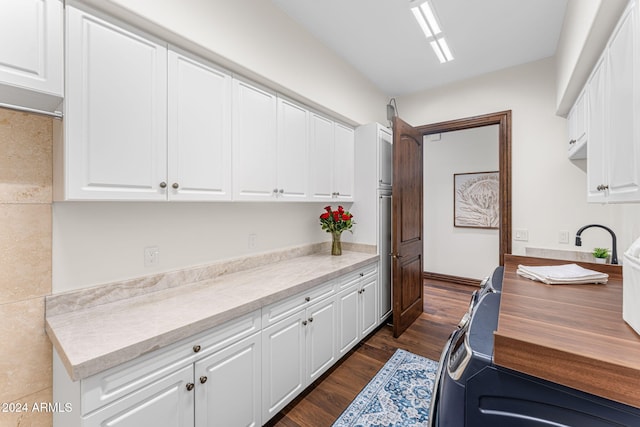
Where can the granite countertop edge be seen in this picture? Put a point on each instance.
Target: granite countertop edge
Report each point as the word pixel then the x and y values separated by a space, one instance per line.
pixel 72 333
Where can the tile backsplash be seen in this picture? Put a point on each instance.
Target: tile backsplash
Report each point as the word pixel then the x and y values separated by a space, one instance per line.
pixel 25 265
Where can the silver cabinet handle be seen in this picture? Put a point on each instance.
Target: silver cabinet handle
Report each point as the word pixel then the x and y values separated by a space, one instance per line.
pixel 163 184
pixel 196 348
pixel 310 319
pixel 304 323
pixel 203 379
pixel 573 141
pixel 175 185
pixel 190 386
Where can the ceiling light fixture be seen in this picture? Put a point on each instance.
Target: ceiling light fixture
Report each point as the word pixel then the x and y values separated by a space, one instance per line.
pixel 428 22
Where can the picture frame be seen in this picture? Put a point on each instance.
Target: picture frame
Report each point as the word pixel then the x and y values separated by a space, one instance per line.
pixel 476 200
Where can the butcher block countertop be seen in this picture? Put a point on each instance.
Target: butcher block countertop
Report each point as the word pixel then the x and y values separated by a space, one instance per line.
pixel 569 334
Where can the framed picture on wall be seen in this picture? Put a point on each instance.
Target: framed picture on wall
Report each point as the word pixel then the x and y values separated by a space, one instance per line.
pixel 476 200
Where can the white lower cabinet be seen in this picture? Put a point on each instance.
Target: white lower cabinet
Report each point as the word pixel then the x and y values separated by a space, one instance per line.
pixel 297 350
pixel 357 308
pixel 165 402
pixel 240 373
pixel 228 385
pixel 167 388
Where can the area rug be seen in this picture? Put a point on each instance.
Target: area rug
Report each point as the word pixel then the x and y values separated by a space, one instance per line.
pixel 398 396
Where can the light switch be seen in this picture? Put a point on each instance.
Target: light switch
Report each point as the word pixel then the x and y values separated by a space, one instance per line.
pixel 521 235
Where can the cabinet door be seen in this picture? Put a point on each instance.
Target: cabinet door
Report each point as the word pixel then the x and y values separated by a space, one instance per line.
pixel 384 243
pixel 578 131
pixel 321 337
pixel 115 112
pixel 343 161
pixel 293 151
pixel 320 157
pixel 348 336
pixel 228 386
pixel 623 142
pixel 254 142
pixel 165 403
pixel 597 134
pixel 385 159
pixel 368 305
pixel 199 130
pixel 31 53
pixel 283 363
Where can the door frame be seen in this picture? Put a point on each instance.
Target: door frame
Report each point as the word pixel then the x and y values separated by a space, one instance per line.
pixel 503 120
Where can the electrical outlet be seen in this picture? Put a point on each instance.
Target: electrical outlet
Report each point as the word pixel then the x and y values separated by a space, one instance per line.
pixel 151 256
pixel 252 241
pixel 563 236
pixel 521 235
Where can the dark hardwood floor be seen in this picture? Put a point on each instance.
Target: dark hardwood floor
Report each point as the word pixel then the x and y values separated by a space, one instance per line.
pixel 324 401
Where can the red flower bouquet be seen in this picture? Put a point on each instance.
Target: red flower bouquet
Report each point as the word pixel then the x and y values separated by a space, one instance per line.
pixel 335 222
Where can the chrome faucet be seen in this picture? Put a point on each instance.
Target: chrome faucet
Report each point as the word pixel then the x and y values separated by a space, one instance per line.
pixel 614 252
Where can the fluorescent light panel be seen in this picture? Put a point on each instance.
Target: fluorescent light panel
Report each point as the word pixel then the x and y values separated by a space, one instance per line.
pixel 429 24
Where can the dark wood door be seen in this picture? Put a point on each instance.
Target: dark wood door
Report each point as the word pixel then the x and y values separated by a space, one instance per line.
pixel 407 242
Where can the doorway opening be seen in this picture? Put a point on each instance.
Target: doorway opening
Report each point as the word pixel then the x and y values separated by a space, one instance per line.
pixel 503 122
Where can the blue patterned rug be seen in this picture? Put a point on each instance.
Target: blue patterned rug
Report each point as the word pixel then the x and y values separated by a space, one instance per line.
pixel 398 396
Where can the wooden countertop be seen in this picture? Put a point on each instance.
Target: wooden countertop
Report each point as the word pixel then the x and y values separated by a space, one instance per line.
pixel 569 334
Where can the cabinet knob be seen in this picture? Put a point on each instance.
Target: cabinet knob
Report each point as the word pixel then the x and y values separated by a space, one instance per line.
pixel 573 141
pixel 281 191
pixel 190 386
pixel 602 187
pixel 163 184
pixel 307 299
pixel 304 323
pixel 275 191
pixel 310 319
pixel 175 185
pixel 361 274
pixel 196 348
pixel 203 379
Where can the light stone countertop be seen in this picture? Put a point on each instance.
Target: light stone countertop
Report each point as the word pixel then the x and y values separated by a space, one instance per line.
pixel 92 339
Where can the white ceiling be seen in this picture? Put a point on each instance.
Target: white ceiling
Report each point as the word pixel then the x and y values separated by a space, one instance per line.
pixel 382 40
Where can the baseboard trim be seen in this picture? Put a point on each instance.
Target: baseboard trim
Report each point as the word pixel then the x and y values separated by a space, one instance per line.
pixel 452 279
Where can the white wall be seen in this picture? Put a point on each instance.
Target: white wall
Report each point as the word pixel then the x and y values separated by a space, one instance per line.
pixel 97 242
pixel 462 252
pixel 548 190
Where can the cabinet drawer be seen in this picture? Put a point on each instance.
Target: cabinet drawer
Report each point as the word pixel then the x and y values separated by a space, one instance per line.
pixel 110 385
pixel 282 309
pixel 350 279
pixel 165 402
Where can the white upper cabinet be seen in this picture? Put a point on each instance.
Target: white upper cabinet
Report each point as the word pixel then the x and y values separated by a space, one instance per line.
pixel 613 162
pixel 31 53
pixel 254 142
pixel 578 128
pixel 321 157
pixel 343 161
pixel 596 122
pixel 332 157
pixel 146 122
pixel 115 112
pixel 199 129
pixel 623 149
pixel 293 151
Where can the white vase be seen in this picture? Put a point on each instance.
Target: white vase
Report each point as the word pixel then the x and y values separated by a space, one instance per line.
pixel 601 260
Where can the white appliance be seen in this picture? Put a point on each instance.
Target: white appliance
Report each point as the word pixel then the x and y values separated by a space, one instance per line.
pixel 373 206
pixel 631 286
